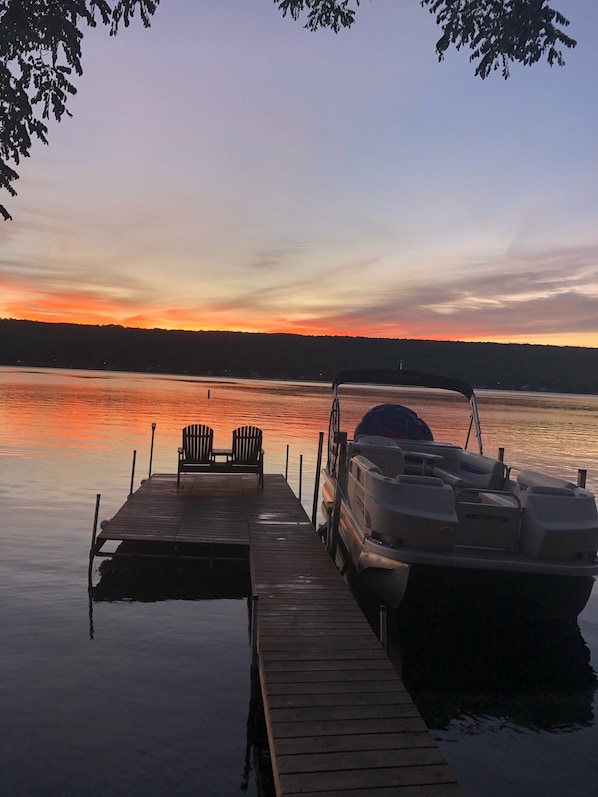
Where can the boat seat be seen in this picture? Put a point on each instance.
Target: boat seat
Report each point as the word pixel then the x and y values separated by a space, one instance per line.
pixel 529 479
pixel 455 481
pixel 429 481
pixel 467 469
pixel 382 451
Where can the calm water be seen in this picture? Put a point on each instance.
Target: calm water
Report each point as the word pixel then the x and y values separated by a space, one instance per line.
pixel 153 697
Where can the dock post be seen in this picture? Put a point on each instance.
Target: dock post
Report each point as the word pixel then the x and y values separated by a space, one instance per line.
pixel 341 440
pixel 384 625
pixel 286 466
pixel 501 454
pixel 314 511
pixel 94 532
pixel 581 477
pixel 300 474
pixel 132 473
pixel 254 609
pixel 149 475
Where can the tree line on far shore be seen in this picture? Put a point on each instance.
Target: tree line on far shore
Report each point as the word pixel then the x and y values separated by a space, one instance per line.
pixel 560 369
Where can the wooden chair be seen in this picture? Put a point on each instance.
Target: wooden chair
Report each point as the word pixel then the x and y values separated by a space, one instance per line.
pixel 195 455
pixel 247 455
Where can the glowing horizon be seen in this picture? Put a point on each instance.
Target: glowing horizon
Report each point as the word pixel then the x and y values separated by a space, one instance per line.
pixel 308 330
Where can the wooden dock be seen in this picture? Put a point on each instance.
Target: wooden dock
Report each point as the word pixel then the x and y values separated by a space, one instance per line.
pixel 340 722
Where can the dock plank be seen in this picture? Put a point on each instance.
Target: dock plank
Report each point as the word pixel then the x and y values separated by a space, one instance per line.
pixel 339 718
pixel 204 511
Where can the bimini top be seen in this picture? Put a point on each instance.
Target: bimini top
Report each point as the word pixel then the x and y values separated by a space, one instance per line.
pixel 388 376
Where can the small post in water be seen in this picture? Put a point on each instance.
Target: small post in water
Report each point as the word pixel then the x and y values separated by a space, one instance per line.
pixel 581 477
pixel 286 466
pixel 149 475
pixel 300 474
pixel 501 454
pixel 314 511
pixel 132 473
pixel 383 625
pixel 341 440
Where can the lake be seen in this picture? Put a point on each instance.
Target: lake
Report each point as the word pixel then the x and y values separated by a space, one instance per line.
pixel 152 696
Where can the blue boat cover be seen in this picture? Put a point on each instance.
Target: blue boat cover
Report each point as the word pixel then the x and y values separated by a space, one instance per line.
pixel 393 420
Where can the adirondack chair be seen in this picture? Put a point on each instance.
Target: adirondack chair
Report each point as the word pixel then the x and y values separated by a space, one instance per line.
pixel 247 455
pixel 195 455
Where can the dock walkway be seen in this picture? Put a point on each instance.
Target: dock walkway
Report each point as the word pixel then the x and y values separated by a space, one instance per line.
pixel 339 719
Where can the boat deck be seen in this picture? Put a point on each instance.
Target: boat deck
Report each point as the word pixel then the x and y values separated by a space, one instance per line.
pixel 338 716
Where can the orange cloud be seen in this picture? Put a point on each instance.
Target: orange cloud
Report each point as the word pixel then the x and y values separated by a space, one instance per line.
pixel 79 308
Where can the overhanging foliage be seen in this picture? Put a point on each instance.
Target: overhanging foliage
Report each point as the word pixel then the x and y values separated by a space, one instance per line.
pixel 40 49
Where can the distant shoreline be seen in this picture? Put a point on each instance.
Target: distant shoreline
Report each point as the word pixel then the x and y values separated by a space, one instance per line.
pixel 287 357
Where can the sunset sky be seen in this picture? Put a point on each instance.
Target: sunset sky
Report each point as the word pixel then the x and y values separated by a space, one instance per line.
pixel 228 169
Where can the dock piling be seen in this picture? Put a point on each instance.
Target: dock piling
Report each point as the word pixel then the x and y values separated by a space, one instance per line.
pixel 314 512
pixel 149 475
pixel 341 441
pixel 94 532
pixel 253 627
pixel 383 635
pixel 132 473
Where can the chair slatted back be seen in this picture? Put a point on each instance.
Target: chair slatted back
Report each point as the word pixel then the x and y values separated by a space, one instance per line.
pixel 247 445
pixel 197 443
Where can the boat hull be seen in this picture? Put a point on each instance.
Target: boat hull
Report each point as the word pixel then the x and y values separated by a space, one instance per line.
pixel 494 590
pixel 495 596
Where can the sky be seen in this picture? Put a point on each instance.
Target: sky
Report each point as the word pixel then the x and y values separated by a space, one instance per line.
pixel 228 169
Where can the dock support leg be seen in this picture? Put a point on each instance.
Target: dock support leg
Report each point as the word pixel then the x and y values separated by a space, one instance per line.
pixel 132 473
pixel 341 440
pixel 384 626
pixel 254 610
pixel 92 550
pixel 314 511
pixel 149 475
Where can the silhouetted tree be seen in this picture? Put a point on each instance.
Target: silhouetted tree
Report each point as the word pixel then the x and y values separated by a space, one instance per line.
pixel 40 48
pixel 506 366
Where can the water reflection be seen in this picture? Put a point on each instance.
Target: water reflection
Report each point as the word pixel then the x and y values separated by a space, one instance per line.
pixel 540 678
pixel 66 435
pixel 463 669
pixel 138 572
pixel 143 572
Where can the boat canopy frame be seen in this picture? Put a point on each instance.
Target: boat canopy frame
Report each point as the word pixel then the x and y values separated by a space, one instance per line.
pixel 398 378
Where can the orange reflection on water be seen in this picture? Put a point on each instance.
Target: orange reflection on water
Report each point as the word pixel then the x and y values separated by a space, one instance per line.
pixel 97 419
